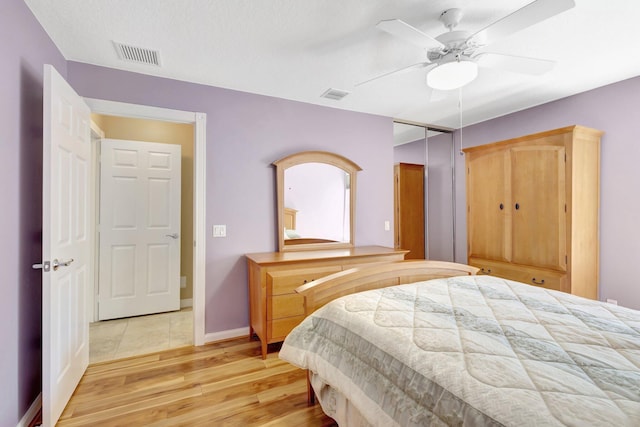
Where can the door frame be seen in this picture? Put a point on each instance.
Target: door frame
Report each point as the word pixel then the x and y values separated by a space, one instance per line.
pixel 198 120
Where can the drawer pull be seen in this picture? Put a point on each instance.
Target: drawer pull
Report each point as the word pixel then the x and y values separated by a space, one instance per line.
pixel 541 282
pixel 486 270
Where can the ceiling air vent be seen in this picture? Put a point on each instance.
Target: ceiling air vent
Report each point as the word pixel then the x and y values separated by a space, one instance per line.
pixel 335 94
pixel 137 54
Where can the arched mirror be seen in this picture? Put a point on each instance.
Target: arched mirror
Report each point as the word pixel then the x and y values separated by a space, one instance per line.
pixel 316 201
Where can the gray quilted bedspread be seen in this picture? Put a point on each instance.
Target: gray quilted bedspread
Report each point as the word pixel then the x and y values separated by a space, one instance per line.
pixel 476 351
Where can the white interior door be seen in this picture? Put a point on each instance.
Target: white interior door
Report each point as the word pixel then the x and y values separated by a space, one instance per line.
pixel 139 228
pixel 66 242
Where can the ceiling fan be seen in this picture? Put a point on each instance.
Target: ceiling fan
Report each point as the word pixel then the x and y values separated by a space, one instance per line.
pixel 453 57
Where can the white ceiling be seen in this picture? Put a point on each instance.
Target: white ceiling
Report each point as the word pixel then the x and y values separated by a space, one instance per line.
pixel 297 49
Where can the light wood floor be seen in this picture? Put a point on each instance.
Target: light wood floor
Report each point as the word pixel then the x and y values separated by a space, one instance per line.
pixel 220 384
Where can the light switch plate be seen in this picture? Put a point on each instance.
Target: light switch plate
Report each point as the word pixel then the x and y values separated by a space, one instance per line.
pixel 219 231
pixel 387 226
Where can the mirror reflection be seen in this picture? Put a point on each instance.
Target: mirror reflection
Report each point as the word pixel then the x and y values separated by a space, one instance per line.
pixel 316 199
pixel 434 148
pixel 316 204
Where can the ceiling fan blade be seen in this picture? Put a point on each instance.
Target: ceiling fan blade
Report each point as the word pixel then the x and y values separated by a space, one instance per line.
pixel 531 14
pixel 398 71
pixel 408 33
pixel 516 64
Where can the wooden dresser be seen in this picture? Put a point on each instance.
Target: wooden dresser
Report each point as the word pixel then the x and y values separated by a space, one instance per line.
pixel 532 209
pixel 274 307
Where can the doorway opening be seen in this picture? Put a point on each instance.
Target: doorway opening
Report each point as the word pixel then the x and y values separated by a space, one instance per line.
pixel 119 329
pixel 185 327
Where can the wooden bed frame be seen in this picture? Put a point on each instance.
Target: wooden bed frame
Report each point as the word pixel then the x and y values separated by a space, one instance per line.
pixel 324 290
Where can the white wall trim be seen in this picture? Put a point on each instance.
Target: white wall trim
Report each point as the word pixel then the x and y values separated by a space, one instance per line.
pixel 31 412
pixel 226 335
pixel 184 303
pixel 92 297
pixel 199 228
pixel 121 109
pixel 113 108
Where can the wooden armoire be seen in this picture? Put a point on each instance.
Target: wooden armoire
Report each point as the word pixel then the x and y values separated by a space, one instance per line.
pixel 532 209
pixel 409 209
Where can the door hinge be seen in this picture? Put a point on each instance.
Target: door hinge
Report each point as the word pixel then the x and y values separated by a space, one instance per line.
pixel 566 259
pixel 565 208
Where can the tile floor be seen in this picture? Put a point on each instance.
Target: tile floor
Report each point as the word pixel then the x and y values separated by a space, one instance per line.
pixel 119 338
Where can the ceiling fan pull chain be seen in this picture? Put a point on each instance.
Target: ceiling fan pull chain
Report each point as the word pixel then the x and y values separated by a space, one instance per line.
pixel 460 117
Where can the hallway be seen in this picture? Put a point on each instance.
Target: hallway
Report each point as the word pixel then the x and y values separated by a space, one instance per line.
pixel 120 338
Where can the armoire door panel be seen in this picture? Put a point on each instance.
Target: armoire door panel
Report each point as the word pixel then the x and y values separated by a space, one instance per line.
pixel 488 195
pixel 538 211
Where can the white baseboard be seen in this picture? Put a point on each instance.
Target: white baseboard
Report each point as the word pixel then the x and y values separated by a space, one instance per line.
pixel 31 412
pixel 225 335
pixel 184 303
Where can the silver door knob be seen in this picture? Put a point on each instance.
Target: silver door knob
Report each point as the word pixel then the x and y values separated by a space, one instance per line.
pixel 173 236
pixel 56 263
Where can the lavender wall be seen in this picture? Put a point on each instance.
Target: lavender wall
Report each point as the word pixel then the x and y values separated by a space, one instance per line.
pixel 411 152
pixel 25 48
pixel 245 134
pixel 615 109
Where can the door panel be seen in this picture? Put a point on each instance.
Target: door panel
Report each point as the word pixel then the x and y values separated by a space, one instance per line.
pixel 65 237
pixel 488 196
pixel 139 228
pixel 123 273
pixel 123 211
pixel 409 209
pixel 159 273
pixel 159 203
pixel 539 232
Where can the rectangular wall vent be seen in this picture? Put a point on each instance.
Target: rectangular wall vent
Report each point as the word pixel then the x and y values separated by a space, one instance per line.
pixel 335 94
pixel 137 54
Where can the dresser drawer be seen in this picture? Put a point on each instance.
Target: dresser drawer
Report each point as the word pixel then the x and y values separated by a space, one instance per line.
pixel 286 305
pixel 278 329
pixel 285 282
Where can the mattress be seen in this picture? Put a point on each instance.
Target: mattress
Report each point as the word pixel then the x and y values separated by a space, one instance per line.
pixel 474 350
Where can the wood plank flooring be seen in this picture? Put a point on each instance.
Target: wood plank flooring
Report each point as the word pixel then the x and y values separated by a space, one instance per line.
pixel 219 384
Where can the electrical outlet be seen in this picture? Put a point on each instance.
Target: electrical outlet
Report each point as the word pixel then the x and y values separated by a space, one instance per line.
pixel 612 301
pixel 387 225
pixel 183 282
pixel 219 231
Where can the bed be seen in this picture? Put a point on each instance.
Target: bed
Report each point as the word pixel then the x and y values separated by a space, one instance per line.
pixel 423 343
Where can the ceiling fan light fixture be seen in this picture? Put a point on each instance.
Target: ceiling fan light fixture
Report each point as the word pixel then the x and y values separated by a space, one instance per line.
pixel 452 75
